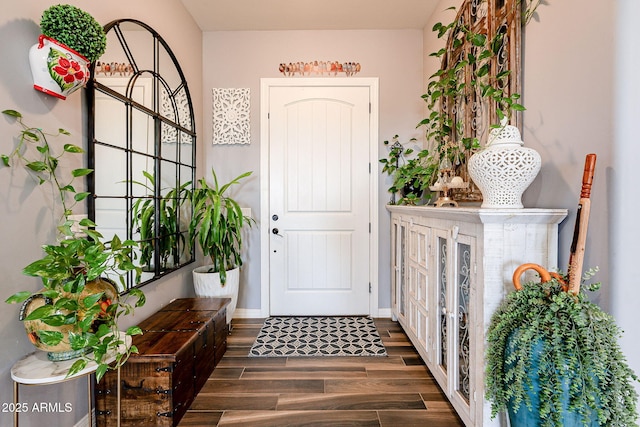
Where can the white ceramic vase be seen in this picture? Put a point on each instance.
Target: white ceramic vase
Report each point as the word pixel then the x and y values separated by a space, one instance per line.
pixel 504 169
pixel 208 284
pixel 56 69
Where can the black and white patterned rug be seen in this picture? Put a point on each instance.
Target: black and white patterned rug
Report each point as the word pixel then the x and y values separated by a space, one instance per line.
pixel 318 336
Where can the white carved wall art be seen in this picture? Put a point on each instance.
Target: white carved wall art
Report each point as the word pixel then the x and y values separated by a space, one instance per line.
pixel 231 124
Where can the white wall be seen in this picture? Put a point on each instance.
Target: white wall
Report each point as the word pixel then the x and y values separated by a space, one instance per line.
pixel 24 208
pixel 625 230
pixel 240 59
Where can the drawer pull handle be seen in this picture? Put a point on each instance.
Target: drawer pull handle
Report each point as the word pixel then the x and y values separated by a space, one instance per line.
pixel 165 369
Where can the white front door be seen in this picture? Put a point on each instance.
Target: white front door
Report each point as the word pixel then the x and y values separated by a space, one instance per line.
pixel 319 200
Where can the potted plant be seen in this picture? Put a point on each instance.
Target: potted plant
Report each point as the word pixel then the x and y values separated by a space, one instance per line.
pixel 553 358
pixel 216 225
pixel 411 176
pixel 76 313
pixel 71 39
pixel 170 241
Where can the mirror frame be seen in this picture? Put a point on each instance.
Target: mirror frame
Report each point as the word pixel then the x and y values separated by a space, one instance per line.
pixel 160 122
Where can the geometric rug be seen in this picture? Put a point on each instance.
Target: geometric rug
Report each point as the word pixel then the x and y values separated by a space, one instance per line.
pixel 318 336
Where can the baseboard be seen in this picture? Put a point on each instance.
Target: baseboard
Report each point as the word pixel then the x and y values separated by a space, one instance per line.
pixel 384 313
pixel 248 313
pixel 256 313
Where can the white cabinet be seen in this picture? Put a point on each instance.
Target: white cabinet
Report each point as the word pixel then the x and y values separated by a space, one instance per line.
pixel 451 268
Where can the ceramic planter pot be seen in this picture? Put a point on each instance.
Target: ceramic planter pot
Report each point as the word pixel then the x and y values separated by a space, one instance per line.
pixel 207 284
pixel 56 69
pixel 522 416
pixel 35 328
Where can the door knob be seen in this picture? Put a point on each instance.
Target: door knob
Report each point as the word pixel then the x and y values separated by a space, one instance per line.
pixel 275 231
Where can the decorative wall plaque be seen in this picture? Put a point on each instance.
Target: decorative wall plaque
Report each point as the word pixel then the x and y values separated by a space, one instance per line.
pixel 231 124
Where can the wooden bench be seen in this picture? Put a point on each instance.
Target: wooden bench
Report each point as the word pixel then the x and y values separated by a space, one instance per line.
pixel 181 345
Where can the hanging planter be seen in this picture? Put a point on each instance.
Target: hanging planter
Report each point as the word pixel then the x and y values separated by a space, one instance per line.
pixel 56 69
pixel 71 39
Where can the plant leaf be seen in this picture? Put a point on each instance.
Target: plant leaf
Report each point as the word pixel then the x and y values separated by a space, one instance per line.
pixel 81 172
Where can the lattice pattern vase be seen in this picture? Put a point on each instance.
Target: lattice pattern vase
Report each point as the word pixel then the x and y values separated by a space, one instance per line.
pixel 504 169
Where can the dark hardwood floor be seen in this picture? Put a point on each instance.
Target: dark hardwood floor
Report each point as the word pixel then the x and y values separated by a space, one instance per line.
pixel 392 391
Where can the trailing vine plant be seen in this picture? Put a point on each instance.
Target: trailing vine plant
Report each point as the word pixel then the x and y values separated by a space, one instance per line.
pixel 43 166
pixel 573 345
pixel 478 84
pixel 88 320
pixel 476 88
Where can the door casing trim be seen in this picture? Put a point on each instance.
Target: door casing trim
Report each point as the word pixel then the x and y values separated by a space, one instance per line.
pixel 265 85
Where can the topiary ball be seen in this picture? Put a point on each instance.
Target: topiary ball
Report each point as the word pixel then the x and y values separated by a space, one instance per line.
pixel 75 28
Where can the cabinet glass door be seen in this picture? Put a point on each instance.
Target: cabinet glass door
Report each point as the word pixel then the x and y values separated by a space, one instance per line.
pixel 399 275
pixel 402 280
pixel 462 290
pixel 442 298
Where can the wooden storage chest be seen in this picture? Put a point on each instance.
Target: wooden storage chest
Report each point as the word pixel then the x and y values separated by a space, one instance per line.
pixel 181 345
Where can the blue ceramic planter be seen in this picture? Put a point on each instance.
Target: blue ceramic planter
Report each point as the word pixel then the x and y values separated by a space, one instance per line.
pixel 521 416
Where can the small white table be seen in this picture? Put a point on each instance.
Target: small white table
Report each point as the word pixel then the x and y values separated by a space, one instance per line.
pixel 36 369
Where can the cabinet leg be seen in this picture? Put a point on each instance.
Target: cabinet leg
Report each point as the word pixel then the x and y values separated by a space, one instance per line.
pixel 90 398
pixel 118 397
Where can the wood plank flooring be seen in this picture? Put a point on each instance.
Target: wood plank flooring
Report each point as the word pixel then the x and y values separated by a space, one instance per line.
pixel 392 391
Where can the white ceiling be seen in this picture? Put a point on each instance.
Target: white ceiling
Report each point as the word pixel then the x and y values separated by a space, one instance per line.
pixel 248 15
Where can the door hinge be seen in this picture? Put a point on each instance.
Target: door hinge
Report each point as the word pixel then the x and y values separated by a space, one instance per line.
pixel 369 108
pixel 369 168
pixel 369 287
pixel 369 228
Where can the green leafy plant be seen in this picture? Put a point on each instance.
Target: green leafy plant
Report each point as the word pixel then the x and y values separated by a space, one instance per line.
pixel 171 242
pixel 75 28
pixel 578 346
pixel 77 259
pixel 43 166
pixel 411 175
pixel 467 80
pixel 217 224
pixel 66 271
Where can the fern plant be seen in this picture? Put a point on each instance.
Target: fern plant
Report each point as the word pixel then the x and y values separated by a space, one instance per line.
pixel 573 344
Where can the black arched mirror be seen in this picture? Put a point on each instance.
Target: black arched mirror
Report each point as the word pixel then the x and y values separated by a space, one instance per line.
pixel 142 148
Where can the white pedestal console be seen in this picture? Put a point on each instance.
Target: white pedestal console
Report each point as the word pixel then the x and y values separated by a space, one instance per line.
pixel 451 268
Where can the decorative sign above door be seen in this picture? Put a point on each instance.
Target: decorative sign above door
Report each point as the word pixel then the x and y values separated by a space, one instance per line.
pixel 319 68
